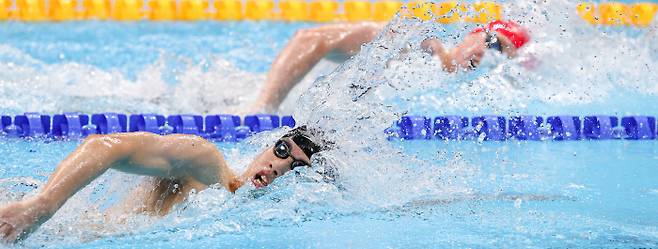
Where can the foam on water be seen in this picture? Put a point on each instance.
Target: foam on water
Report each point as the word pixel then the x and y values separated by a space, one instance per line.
pixel 137 67
pixel 53 88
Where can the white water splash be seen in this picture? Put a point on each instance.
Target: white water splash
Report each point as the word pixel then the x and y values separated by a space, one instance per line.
pixel 66 87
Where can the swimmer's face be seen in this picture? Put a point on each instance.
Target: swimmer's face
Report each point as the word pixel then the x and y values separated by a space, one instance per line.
pixel 267 166
pixel 469 53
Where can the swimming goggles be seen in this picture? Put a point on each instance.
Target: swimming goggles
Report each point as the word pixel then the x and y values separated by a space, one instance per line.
pixel 493 42
pixel 282 150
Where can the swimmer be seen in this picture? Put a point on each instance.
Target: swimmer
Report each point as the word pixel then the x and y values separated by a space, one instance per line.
pixel 178 164
pixel 308 46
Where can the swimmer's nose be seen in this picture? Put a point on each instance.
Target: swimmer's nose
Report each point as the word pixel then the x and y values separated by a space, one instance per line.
pixel 278 168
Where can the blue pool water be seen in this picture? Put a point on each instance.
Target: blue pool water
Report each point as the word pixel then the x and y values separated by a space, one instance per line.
pixel 528 194
pixel 400 194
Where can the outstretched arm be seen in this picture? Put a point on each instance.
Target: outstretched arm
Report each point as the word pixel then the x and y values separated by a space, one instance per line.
pixel 189 159
pixel 304 50
pixel 88 161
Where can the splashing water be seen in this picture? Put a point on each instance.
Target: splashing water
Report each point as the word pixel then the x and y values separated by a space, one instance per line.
pixel 76 87
pixel 567 66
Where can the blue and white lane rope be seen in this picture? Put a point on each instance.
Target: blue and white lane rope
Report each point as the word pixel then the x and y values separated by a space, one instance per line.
pixel 231 128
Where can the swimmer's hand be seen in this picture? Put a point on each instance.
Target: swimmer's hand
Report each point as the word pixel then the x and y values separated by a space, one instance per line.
pixel 19 219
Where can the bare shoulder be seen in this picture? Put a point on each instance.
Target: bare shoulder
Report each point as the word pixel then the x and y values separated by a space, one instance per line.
pixel 173 146
pixel 372 25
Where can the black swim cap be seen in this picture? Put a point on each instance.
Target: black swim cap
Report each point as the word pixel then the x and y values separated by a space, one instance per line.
pixel 307 139
pixel 312 141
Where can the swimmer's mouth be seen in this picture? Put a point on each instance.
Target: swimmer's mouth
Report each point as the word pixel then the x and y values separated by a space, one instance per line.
pixel 259 181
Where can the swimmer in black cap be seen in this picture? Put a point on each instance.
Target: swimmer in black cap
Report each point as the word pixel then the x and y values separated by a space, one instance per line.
pixel 307 140
pixel 178 164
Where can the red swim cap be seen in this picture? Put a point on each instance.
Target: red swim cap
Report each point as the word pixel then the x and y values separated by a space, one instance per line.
pixel 512 30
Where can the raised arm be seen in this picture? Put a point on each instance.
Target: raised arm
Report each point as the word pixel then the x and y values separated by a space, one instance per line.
pixel 304 50
pixel 180 157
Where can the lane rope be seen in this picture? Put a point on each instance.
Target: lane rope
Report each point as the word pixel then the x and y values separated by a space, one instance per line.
pixel 231 128
pixel 609 13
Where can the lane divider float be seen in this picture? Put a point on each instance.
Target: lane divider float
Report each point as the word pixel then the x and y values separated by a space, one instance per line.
pixel 615 14
pixel 231 128
pixel 527 127
pixel 221 127
pixel 235 10
pixel 639 14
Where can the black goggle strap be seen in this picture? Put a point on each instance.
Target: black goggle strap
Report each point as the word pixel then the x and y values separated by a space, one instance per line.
pixel 306 144
pixel 297 163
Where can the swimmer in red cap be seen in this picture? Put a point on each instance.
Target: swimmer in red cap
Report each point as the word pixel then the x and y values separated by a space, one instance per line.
pixel 504 36
pixel 342 40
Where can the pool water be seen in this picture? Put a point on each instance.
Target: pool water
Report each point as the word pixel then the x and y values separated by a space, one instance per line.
pixel 399 194
pixel 527 194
